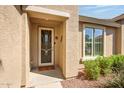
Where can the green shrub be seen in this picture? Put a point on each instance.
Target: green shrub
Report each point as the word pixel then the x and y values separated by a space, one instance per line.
pixel 118 68
pixel 92 69
pixel 104 64
pixel 117 62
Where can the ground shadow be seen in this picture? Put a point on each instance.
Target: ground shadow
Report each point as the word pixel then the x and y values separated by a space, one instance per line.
pixel 56 73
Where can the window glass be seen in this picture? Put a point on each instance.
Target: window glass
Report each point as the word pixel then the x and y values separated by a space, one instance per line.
pixel 98 42
pixel 93 42
pixel 88 41
pixel 88 49
pixel 88 34
pixel 98 49
pixel 98 35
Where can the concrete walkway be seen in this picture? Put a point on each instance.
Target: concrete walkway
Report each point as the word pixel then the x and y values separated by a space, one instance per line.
pixel 46 79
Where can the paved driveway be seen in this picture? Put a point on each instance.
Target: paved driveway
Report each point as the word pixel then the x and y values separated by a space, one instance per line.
pixel 46 79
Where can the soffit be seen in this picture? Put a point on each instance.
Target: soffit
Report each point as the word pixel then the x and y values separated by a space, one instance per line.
pixel 98 21
pixel 44 13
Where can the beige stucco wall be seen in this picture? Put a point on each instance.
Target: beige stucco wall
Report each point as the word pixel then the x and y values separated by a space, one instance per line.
pixel 81 28
pixel 10 46
pixel 118 41
pixel 25 29
pixel 14 47
pixel 33 45
pixel 122 37
pixel 110 41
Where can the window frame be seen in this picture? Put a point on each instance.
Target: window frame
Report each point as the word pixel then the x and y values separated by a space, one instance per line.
pixel 104 40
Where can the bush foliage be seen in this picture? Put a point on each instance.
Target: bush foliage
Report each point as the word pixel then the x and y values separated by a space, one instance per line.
pixel 117 62
pixel 92 69
pixel 104 66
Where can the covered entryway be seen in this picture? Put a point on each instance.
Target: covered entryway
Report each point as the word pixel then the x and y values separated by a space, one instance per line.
pixel 47 40
pixel 46 44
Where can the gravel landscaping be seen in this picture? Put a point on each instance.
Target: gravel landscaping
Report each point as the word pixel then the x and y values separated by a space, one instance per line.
pixel 81 82
pixel 98 72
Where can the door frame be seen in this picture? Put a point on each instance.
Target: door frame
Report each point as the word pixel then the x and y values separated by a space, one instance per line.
pixel 39 42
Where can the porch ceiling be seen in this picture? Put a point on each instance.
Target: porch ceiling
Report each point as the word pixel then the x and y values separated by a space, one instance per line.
pixel 44 13
pixel 45 22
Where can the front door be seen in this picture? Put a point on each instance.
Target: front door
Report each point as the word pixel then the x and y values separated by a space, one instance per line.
pixel 46 46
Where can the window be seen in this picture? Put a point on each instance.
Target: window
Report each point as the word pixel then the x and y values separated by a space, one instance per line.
pixel 88 41
pixel 93 41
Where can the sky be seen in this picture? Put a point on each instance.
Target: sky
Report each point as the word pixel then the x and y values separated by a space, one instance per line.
pixel 101 11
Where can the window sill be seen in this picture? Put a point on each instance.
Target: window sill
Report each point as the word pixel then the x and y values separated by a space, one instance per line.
pixel 89 58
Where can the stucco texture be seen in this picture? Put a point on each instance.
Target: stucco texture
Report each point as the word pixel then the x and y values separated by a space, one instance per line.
pixel 10 46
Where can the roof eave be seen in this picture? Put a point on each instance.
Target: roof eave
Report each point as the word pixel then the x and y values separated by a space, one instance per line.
pixel 117 18
pixel 98 21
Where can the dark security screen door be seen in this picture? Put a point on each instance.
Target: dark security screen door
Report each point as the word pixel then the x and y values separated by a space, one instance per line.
pixel 46 43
